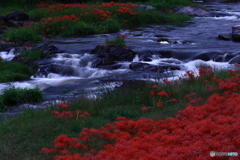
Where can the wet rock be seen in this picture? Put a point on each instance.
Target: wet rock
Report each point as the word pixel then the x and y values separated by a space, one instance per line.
pixel 48 49
pixel 166 54
pixel 114 52
pixel 138 66
pixel 44 70
pixel 130 85
pixel 145 7
pixel 226 36
pixel 17 16
pixel 102 61
pixel 145 57
pixel 110 67
pixel 192 11
pixel 206 56
pixel 235 60
pixel 236 33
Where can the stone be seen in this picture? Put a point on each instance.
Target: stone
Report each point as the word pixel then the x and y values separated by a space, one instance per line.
pixel 113 52
pixel 236 33
pixel 192 11
pixel 206 56
pixel 48 49
pixel 102 61
pixel 226 36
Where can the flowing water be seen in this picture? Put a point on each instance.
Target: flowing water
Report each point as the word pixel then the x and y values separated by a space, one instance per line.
pixel 187 40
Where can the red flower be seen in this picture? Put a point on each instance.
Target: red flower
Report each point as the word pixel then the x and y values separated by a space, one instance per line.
pixel 123 35
pixel 155 86
pixel 174 100
pixel 163 94
pixel 152 92
pixel 46 150
pixel 159 104
pixel 144 109
pixel 62 105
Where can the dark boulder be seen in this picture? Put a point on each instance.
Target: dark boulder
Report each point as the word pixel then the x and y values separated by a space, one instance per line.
pixel 114 52
pixel 102 61
pixel 48 49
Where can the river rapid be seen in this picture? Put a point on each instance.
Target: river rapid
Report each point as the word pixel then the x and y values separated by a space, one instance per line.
pixel 186 41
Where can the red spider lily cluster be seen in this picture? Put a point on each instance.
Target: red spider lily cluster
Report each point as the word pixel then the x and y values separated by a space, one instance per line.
pixel 1 58
pixel 60 115
pixel 192 134
pixel 91 14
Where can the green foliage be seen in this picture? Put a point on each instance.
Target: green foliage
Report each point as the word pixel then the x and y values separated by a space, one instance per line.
pixel 22 34
pixel 164 5
pixel 13 71
pixel 32 55
pixel 14 96
pixel 118 41
pixel 109 26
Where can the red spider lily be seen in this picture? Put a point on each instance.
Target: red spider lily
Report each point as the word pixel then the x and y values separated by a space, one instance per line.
pixel 1 58
pixel 123 36
pixel 159 104
pixel 62 105
pixel 125 10
pixel 144 109
pixel 155 86
pixel 121 118
pixel 152 92
pixel 163 94
pixel 46 150
pixel 174 91
pixel 167 82
pixel 174 100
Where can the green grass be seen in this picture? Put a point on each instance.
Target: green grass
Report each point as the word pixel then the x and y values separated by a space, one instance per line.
pixel 15 96
pixel 22 34
pixel 33 55
pixel 13 71
pixel 118 41
pixel 23 136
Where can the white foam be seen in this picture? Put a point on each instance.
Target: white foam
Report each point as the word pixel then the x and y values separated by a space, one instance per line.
pixel 8 56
